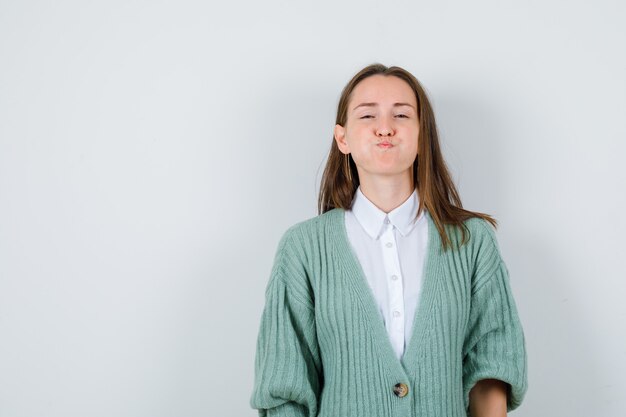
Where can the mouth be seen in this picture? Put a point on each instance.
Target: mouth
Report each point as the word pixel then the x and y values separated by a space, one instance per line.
pixel 385 145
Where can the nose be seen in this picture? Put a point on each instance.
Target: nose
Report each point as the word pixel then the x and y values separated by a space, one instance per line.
pixel 384 128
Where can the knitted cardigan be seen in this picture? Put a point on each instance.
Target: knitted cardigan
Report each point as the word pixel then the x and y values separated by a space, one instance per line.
pixel 323 351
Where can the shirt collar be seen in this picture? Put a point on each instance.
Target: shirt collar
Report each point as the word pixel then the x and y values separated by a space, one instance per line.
pixel 372 219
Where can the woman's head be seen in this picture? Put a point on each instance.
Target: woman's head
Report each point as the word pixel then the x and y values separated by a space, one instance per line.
pixel 416 135
pixel 388 104
pixel 378 129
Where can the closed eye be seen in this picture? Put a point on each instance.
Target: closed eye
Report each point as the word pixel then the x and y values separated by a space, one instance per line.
pixel 368 116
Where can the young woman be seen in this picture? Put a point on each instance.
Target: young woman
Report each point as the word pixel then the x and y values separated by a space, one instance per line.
pixel 394 300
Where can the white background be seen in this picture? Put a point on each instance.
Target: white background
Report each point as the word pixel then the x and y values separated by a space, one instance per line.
pixel 153 152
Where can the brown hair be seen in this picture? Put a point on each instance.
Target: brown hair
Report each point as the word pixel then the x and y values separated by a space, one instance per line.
pixel 436 190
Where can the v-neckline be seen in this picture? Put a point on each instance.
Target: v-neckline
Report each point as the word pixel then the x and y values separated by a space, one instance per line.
pixel 431 275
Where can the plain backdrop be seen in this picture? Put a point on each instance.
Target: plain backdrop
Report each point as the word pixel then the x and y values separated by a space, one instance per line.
pixel 152 153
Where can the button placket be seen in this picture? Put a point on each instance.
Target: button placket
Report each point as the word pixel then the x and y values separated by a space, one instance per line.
pixel 394 287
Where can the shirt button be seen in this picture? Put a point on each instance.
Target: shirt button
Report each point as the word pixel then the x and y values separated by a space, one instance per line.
pixel 394 277
pixel 400 389
pixel 389 244
pixel 396 313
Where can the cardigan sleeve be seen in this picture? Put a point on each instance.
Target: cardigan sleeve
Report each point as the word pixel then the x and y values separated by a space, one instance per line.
pixel 495 345
pixel 288 374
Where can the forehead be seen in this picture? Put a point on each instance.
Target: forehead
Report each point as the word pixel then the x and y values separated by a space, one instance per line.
pixel 383 89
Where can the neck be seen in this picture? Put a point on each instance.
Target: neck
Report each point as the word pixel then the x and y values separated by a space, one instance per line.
pixel 387 192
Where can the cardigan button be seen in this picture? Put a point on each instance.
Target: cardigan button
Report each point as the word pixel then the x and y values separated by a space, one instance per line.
pixel 400 389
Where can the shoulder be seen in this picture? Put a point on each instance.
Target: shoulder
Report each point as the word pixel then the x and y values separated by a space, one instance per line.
pixel 479 234
pixel 482 232
pixel 299 249
pixel 310 228
pixel 483 249
pixel 304 239
pixel 487 253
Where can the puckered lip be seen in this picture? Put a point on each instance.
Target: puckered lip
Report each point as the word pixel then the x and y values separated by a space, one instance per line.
pixel 385 143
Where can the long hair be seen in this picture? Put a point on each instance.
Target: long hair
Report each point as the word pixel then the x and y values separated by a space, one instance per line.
pixel 436 190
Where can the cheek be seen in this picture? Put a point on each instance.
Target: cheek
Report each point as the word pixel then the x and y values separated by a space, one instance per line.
pixel 413 134
pixel 362 152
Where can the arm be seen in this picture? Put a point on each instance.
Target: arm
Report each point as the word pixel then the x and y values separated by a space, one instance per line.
pixel 288 368
pixel 494 346
pixel 488 398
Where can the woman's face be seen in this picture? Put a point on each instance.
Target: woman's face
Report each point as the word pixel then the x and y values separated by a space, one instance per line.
pixel 381 131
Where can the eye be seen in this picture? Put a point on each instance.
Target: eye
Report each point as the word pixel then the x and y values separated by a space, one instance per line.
pixel 366 116
pixel 403 115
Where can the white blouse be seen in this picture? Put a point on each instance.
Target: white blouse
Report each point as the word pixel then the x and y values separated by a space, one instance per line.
pixel 391 248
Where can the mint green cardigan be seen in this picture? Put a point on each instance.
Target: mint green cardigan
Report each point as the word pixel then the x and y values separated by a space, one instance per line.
pixel 323 351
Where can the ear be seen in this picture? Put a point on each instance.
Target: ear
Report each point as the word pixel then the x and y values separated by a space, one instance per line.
pixel 340 137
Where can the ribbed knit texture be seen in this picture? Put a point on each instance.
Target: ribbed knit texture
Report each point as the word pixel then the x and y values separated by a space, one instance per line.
pixel 323 350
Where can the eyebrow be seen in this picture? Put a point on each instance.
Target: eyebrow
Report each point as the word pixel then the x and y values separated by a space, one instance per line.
pixel 376 104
